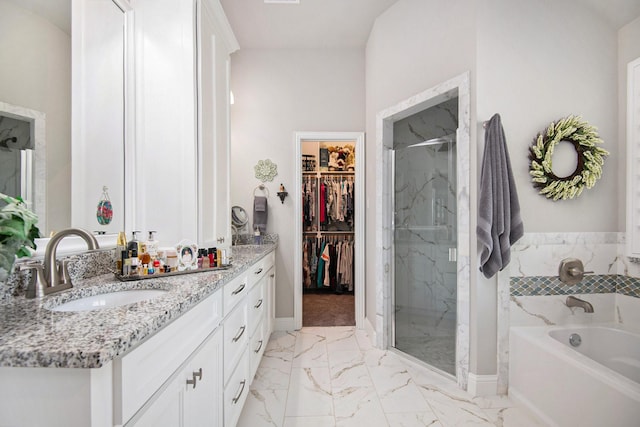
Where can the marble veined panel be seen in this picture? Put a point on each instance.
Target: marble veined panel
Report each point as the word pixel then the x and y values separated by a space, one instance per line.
pixel 432 215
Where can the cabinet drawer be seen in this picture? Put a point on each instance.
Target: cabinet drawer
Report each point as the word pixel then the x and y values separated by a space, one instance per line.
pixel 143 370
pixel 256 305
pixel 257 345
pixel 260 268
pixel 236 337
pixel 235 393
pixel 234 292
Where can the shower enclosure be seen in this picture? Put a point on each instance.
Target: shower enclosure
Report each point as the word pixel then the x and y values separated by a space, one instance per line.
pixel 425 234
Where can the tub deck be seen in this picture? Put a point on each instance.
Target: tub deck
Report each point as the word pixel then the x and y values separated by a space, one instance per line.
pixel 563 387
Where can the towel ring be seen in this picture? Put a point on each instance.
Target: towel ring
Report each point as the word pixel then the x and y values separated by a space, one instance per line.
pixel 262 188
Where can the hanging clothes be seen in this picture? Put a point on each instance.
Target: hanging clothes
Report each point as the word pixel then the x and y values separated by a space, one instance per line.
pixel 328 263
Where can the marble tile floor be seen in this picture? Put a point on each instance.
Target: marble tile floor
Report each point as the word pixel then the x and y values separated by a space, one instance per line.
pixel 439 352
pixel 332 376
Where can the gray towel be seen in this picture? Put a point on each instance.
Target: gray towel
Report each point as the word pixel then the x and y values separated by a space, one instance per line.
pixel 260 213
pixel 499 221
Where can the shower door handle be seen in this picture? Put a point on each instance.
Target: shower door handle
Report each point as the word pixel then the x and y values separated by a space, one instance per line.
pixel 453 255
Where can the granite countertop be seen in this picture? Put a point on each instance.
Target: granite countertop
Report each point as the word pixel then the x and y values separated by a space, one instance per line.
pixel 31 335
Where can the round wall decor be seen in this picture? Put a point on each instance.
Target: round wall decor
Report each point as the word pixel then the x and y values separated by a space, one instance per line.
pixel 265 170
pixel 585 140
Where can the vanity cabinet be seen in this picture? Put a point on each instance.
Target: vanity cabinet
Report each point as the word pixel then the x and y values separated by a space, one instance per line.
pixel 195 371
pixel 215 42
pixel 182 121
pixel 192 396
pixel 246 335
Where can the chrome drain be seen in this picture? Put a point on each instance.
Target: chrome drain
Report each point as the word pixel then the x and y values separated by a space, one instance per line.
pixel 575 340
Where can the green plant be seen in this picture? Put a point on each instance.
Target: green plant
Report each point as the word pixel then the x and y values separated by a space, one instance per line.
pixel 18 232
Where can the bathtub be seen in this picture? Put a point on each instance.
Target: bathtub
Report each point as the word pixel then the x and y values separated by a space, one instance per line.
pixel 594 384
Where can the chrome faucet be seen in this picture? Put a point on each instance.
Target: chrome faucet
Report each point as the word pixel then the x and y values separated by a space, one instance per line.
pixel 53 276
pixel 577 302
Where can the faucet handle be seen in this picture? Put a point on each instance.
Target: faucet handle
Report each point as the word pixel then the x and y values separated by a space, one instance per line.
pixel 37 284
pixel 574 271
pixel 63 268
pixel 571 271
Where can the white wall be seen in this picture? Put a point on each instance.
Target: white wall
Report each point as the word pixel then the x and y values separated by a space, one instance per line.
pixel 278 92
pixel 538 62
pixel 533 71
pixel 532 62
pixel 413 46
pixel 35 72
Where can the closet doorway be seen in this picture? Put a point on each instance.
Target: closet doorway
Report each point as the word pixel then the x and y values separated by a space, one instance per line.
pixel 329 224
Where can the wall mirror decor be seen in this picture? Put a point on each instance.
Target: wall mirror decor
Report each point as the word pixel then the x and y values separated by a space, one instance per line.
pixel 99 111
pixel 38 36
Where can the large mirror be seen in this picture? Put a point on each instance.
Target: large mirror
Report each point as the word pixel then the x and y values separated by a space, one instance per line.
pixel 36 75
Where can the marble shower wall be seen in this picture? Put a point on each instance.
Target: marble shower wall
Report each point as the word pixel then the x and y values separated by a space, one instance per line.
pixel 530 293
pixel 457 87
pixel 536 294
pixel 425 220
pixel 15 136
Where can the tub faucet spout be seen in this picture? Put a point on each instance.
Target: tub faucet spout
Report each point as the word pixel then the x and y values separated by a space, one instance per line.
pixel 577 302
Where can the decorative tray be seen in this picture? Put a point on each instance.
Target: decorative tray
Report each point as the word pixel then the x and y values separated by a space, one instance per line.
pixel 172 273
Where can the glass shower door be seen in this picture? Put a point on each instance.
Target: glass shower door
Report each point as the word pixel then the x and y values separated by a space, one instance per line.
pixel 425 241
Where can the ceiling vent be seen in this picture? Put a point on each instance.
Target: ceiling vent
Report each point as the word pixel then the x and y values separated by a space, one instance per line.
pixel 282 1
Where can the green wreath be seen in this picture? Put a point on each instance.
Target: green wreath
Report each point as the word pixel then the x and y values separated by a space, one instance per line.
pixel 585 139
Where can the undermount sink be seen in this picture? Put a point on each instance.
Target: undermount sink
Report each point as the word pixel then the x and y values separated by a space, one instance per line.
pixel 109 300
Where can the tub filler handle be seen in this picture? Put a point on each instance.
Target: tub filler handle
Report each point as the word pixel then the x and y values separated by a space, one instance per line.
pixel 571 271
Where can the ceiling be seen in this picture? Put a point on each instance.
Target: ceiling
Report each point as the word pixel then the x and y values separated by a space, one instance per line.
pixel 58 12
pixel 346 23
pixel 312 23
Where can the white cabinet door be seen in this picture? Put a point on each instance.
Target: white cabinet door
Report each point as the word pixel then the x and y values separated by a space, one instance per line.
pixel 166 409
pixel 203 399
pixel 214 47
pixel 194 394
pixel 270 292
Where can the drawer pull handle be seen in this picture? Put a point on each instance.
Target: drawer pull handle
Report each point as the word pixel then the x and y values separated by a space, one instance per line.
pixel 258 271
pixel 235 399
pixel 272 275
pixel 258 304
pixel 257 350
pixel 239 334
pixel 198 374
pixel 237 291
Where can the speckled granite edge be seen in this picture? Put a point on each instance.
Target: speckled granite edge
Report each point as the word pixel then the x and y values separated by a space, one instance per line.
pixel 31 335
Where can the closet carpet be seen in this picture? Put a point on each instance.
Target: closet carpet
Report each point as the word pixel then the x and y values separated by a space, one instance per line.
pixel 328 310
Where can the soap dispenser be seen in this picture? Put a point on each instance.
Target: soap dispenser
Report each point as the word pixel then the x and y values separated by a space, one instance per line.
pixel 152 245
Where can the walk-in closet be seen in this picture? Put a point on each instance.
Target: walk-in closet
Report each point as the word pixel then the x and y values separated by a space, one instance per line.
pixel 329 215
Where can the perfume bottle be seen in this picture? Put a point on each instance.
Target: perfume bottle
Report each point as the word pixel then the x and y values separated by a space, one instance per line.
pixel 152 245
pixel 121 251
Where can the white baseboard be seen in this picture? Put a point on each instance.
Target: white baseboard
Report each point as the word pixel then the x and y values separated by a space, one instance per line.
pixel 371 332
pixel 285 324
pixel 482 385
